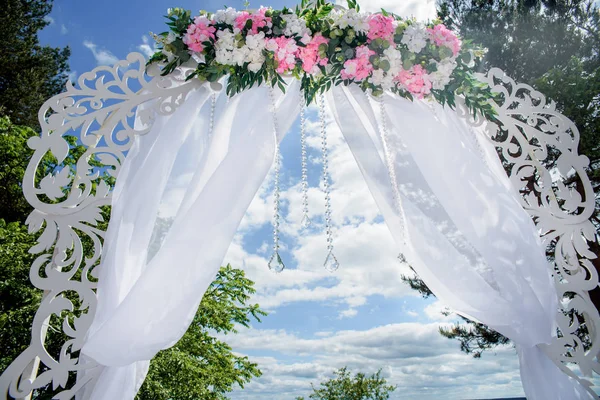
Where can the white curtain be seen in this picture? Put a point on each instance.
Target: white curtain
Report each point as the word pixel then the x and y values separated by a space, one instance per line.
pixel 466 234
pixel 182 193
pixel 178 202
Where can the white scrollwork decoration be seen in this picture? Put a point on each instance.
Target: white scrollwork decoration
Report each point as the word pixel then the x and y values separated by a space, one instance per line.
pixel 536 142
pixel 99 112
pixel 538 145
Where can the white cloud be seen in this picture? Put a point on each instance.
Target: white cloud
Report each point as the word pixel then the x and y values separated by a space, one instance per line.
pixel 147 48
pixel 63 29
pixel 413 356
pixel 49 20
pixel 102 56
pixel 422 10
pixel 363 244
pixel 438 311
pixel 72 76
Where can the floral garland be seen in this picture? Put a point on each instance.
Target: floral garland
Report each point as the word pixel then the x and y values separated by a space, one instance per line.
pixel 323 46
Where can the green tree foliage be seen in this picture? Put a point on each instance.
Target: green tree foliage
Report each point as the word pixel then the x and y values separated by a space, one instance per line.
pixel 554 46
pixel 200 366
pixel 14 157
pixel 344 386
pixel 29 72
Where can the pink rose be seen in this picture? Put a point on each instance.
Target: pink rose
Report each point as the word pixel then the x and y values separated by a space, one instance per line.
pixel 309 55
pixel 199 32
pixel 259 20
pixel 416 81
pixel 359 68
pixel 382 27
pixel 443 36
pixel 285 50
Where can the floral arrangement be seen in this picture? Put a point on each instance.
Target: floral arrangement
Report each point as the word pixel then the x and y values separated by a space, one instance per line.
pixel 322 46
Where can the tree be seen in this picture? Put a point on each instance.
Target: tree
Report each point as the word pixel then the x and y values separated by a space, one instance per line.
pixel 29 73
pixel 554 46
pixel 201 366
pixel 346 387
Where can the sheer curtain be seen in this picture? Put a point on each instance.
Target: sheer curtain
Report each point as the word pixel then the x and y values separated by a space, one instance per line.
pixel 179 199
pixel 183 191
pixel 461 226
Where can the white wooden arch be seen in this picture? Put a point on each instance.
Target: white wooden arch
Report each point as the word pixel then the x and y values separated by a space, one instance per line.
pixel 100 111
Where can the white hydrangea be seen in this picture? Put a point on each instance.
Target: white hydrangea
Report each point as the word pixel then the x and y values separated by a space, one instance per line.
pixel 224 47
pixel 226 16
pixel 415 37
pixel 351 18
pixel 294 26
pixel 255 44
pixel 441 78
pixel 386 79
pixel 228 53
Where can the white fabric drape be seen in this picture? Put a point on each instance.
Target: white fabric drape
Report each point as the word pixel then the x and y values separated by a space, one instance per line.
pixel 182 193
pixel 192 188
pixel 466 234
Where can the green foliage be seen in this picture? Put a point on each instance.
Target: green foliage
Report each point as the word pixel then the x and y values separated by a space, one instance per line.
pixel 201 366
pixel 344 386
pixel 29 73
pixel 14 157
pixel 341 48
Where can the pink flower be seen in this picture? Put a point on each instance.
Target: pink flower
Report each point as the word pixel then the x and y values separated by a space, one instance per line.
pixel 259 20
pixel 381 26
pixel 198 33
pixel 416 81
pixel 310 54
pixel 359 68
pixel 443 36
pixel 285 50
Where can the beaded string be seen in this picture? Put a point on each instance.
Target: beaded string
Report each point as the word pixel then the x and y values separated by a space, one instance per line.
pixel 306 222
pixel 276 263
pixel 331 262
pixel 389 161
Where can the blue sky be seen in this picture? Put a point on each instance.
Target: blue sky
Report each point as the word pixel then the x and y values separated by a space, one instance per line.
pixel 363 316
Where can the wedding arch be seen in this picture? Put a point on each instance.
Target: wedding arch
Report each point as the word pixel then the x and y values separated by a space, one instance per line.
pixel 432 138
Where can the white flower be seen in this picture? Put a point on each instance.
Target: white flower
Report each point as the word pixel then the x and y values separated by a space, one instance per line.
pixel 272 45
pixel 378 77
pixel 415 37
pixel 386 79
pixel 350 18
pixel 227 16
pixel 255 67
pixel 294 26
pixel 256 41
pixel 170 38
pixel 224 47
pixel 441 78
pixel 170 56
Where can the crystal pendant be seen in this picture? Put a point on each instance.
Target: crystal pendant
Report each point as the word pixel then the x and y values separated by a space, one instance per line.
pixel 401 258
pixel 331 263
pixel 306 222
pixel 276 264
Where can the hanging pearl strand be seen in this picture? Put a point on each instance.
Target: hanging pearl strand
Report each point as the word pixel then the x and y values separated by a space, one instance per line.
pixel 331 263
pixel 306 222
pixel 389 161
pixel 275 263
pixel 213 105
